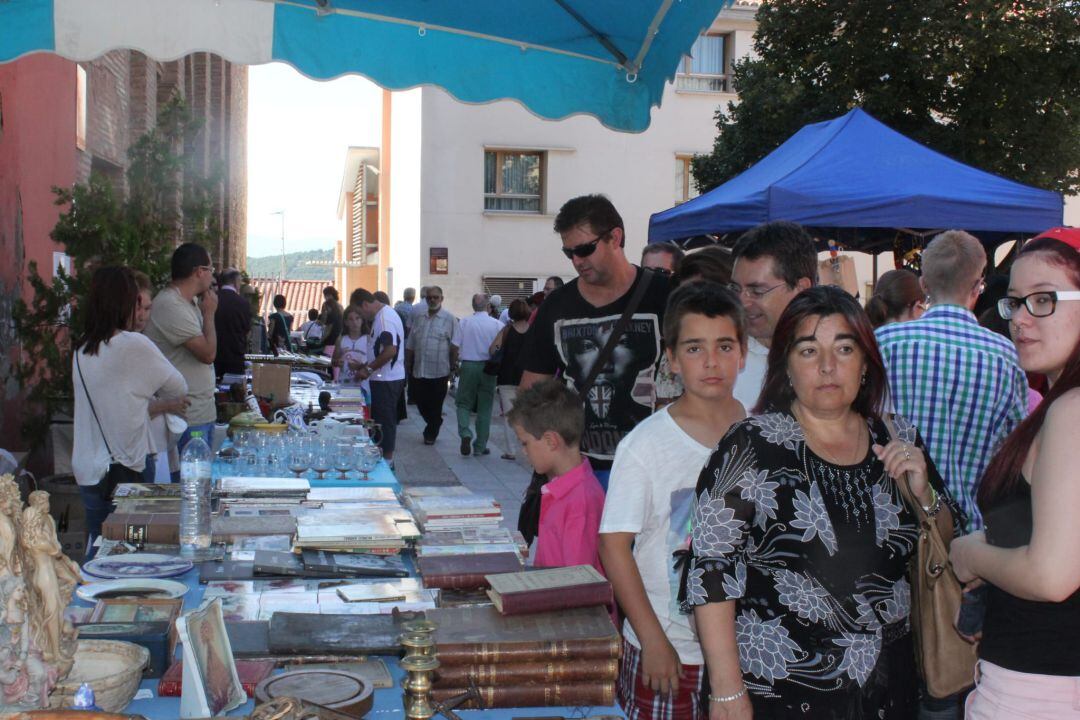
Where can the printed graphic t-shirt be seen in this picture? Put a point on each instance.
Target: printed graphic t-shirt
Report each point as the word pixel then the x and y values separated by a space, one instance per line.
pixel 387 330
pixel 567 336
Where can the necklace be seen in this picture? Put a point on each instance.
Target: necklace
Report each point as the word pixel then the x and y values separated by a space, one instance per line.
pixel 821 448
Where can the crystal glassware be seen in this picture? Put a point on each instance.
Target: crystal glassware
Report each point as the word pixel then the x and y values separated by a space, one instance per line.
pixel 369 460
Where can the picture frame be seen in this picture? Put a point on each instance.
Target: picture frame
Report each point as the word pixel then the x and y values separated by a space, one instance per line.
pixel 211 685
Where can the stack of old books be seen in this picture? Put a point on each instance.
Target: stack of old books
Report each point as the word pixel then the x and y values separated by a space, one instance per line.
pixel 472 541
pixel 376 531
pixel 449 512
pixel 564 657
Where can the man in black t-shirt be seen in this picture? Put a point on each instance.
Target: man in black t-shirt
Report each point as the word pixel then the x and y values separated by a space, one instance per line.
pixel 575 321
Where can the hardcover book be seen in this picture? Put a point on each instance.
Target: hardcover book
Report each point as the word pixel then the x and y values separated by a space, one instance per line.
pixel 465 572
pixel 483 636
pixel 330 564
pixel 549 589
pixel 142 528
pixel 527 673
pixel 551 695
pixel 251 673
pixel 352 635
pixel 277 563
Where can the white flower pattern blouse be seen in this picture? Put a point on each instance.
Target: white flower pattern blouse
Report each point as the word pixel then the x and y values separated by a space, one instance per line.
pixel 815 556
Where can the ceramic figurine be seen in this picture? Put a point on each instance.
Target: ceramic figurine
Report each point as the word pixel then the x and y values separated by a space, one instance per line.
pixel 37 645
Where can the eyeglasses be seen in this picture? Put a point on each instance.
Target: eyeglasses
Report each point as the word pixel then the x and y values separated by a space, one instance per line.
pixel 584 250
pixel 434 297
pixel 752 291
pixel 1038 304
pixel 208 268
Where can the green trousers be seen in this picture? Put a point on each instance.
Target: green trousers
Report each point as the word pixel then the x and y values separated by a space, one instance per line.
pixel 475 392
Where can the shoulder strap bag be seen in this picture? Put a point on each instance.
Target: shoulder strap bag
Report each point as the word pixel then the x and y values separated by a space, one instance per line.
pixel 117 472
pixel 529 516
pixel 946 661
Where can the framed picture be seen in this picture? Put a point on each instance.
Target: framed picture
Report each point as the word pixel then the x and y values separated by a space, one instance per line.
pixel 210 683
pixel 438 261
pixel 136 610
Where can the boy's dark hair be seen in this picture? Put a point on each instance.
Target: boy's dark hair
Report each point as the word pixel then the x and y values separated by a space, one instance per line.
pixel 188 258
pixel 312 314
pixel 360 296
pixel 711 263
pixel 279 302
pixel 382 297
pixel 549 405
pixel 596 210
pixel 706 298
pixel 788 244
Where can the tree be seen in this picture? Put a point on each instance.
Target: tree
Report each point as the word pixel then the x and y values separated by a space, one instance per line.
pixel 103 227
pixel 990 83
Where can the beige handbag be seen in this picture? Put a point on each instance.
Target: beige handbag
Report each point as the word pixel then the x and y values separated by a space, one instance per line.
pixel 946 661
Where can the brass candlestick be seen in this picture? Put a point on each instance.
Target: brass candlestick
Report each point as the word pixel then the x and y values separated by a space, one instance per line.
pixel 417 686
pixel 420 626
pixel 417 644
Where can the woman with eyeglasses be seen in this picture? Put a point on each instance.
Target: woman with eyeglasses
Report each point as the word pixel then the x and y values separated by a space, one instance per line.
pixel 1029 663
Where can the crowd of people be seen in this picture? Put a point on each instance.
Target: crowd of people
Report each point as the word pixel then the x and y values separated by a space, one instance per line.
pixel 739 449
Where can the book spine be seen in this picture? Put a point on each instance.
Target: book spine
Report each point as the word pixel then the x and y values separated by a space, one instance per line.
pixel 462 581
pixel 554 695
pixel 140 529
pixel 527 673
pixel 521 652
pixel 556 599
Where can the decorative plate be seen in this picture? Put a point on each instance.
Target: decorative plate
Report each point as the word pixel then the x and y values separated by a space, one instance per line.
pixel 137 565
pixel 135 588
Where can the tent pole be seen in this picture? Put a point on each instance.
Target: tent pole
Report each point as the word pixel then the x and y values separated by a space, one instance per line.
pixel 873 285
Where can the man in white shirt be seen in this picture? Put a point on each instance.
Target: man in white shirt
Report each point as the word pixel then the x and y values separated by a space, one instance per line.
pixel 386 370
pixel 476 389
pixel 774 262
pixel 430 357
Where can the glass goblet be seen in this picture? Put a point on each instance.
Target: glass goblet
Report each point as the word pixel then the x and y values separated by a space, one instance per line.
pixel 321 464
pixel 369 460
pixel 299 462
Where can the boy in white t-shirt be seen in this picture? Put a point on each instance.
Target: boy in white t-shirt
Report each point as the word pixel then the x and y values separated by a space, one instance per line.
pixel 650 493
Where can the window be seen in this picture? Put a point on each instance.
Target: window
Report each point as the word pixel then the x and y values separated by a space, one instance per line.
pixel 705 68
pixel 80 107
pixel 514 181
pixel 685 189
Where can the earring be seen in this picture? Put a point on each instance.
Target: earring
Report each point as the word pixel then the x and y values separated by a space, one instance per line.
pixel 863 380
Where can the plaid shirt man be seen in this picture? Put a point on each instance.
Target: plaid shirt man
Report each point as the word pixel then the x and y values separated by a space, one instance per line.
pixel 961 385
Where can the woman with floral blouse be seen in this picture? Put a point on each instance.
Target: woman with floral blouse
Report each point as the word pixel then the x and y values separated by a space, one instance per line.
pixel 801 538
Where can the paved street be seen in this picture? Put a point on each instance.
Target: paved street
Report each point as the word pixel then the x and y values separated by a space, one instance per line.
pixel 443 464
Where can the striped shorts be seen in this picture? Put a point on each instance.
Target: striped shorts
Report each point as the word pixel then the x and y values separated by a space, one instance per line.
pixel 640 702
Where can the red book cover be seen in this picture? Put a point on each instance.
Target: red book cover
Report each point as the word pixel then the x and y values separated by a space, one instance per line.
pixel 549 589
pixel 465 572
pixel 251 673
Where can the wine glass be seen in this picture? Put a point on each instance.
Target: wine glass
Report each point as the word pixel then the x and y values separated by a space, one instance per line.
pixel 369 460
pixel 343 461
pixel 299 462
pixel 321 463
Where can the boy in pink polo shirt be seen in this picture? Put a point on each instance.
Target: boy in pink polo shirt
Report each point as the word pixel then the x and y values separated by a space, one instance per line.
pixel 548 420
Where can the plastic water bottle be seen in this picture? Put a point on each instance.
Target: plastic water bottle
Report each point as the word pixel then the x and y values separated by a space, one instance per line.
pixel 195 473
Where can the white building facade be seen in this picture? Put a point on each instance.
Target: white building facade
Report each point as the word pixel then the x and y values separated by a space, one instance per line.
pixel 474 189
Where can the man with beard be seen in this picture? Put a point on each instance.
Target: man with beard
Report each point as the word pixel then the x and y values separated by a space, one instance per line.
pixel 431 356
pixel 576 320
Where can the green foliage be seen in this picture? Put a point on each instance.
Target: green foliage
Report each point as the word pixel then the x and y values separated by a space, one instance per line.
pixel 103 227
pixel 993 84
pixel 295 266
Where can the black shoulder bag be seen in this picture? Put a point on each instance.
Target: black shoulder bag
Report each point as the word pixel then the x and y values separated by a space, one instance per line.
pixel 529 516
pixel 117 472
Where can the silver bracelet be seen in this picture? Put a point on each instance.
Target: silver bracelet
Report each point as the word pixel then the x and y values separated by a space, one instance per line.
pixel 727 698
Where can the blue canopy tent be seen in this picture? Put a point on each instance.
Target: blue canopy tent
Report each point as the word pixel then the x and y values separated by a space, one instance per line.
pixel 606 58
pixel 857 181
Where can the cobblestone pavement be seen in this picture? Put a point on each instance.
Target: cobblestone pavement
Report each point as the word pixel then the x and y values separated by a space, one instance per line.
pixel 443 464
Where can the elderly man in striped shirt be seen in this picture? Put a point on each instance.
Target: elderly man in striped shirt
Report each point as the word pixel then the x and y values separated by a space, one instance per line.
pixel 960 384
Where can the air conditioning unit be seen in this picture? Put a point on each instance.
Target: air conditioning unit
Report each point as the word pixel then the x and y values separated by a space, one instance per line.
pixel 509 288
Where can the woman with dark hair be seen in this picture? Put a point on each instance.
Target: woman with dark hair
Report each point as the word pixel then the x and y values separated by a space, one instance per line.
pixel 116 374
pixel 332 319
pixel 801 539
pixel 1029 494
pixel 280 326
pixel 509 342
pixel 897 297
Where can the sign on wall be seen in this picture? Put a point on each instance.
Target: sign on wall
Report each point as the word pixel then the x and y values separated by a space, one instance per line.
pixel 439 260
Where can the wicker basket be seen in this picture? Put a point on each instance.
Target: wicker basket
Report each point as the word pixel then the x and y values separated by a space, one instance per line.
pixel 113 669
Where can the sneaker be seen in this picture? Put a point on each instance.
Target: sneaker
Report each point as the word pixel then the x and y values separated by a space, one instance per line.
pixel 429 441
pixel 466 446
pixel 485 451
pixel 509 456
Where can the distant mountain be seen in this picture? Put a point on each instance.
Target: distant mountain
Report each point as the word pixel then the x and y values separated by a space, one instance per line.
pixel 296 267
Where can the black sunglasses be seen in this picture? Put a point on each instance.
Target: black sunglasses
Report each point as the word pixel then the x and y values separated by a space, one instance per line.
pixel 584 250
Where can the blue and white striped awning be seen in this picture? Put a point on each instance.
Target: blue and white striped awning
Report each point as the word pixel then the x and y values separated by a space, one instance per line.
pixel 607 58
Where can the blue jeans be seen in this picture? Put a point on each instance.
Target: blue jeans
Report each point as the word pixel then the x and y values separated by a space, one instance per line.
pixel 96 509
pixel 207 430
pixel 602 476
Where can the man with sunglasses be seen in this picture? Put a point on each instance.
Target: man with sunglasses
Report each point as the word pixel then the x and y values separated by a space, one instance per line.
pixel 773 263
pixel 575 321
pixel 182 326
